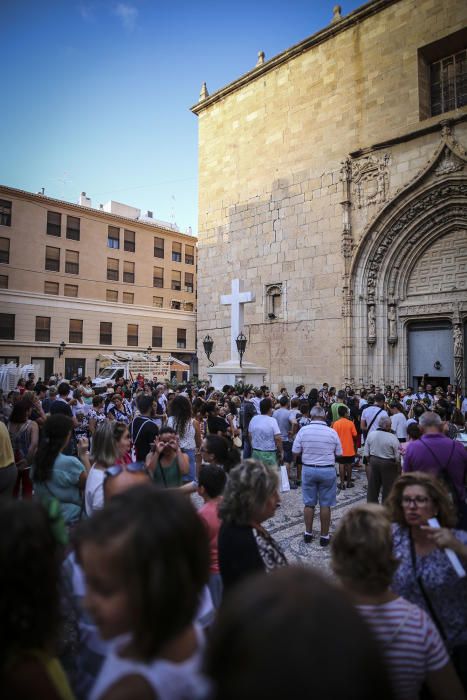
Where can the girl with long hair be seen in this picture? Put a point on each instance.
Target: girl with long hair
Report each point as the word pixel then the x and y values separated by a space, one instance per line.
pixel 187 429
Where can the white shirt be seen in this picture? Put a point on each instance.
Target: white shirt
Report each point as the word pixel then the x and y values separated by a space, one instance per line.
pixel 399 425
pixel 318 444
pixel 369 413
pixel 262 430
pixel 94 491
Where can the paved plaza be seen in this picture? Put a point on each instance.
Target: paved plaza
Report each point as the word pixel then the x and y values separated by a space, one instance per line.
pixel 287 525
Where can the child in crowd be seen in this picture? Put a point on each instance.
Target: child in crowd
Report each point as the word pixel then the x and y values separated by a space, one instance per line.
pixel 211 483
pixel 31 548
pixel 146 559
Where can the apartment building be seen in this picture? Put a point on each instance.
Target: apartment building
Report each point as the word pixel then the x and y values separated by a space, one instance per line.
pixel 77 283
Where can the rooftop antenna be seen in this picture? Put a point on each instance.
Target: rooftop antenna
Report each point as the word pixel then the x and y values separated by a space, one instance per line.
pixel 172 212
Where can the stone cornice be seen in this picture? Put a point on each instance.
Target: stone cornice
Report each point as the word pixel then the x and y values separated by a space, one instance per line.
pixel 319 37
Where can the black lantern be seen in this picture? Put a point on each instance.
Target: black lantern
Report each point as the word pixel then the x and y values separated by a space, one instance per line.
pixel 61 348
pixel 208 345
pixel 241 345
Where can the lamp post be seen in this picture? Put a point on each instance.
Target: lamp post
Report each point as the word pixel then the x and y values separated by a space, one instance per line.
pixel 241 345
pixel 208 345
pixel 149 350
pixel 61 348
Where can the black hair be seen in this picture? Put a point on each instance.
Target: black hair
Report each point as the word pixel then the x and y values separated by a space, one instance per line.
pixel 414 431
pixel 167 430
pixel 213 478
pixel 342 411
pixel 40 388
pixel 97 400
pixel 19 414
pixel 30 560
pixel 304 407
pixel 63 389
pixel 284 400
pixel 265 405
pixel 262 625
pixel 224 453
pixel 55 430
pixel 144 403
pixel 161 549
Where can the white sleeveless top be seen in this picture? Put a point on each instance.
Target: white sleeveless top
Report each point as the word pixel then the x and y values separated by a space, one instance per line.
pixel 187 440
pixel 169 680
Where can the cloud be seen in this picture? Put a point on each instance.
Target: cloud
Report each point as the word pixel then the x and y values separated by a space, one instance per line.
pixel 86 10
pixel 127 14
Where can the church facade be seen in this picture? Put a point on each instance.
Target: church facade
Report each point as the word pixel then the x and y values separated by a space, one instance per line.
pixel 333 182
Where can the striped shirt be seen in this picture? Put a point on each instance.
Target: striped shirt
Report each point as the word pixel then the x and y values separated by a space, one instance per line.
pixel 318 444
pixel 410 643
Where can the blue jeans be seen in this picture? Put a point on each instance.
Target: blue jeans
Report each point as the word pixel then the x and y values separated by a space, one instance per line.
pixel 191 476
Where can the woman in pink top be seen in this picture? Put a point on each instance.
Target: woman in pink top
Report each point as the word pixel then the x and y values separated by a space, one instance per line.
pixel 211 483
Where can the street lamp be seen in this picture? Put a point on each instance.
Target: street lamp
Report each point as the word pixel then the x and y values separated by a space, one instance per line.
pixel 61 348
pixel 208 345
pixel 241 345
pixel 149 350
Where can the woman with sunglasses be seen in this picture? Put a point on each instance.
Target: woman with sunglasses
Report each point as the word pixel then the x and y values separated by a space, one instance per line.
pixel 167 463
pixel 425 576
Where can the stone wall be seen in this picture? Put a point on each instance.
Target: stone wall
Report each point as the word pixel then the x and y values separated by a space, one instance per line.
pixel 271 190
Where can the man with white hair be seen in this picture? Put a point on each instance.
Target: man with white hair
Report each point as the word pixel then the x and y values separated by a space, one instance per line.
pixel 318 445
pixel 383 453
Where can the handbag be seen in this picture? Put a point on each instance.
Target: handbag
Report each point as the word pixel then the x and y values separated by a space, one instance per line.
pixel 284 480
pixel 237 441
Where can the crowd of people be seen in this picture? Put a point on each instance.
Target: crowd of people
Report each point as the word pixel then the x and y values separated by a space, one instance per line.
pixel 136 559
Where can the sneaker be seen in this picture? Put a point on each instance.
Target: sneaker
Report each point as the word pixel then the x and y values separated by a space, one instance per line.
pixel 293 485
pixel 307 538
pixel 350 484
pixel 324 541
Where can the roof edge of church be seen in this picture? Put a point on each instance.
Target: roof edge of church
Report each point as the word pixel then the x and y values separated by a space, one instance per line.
pixel 361 13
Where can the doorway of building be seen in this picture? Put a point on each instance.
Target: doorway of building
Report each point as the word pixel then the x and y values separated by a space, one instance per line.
pixel 434 381
pixel 74 367
pixel 45 367
pixel 430 346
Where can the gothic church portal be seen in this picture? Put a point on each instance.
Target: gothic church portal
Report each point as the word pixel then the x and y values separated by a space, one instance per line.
pixel 333 181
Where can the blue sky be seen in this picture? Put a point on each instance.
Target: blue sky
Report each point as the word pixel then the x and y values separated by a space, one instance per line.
pixel 96 93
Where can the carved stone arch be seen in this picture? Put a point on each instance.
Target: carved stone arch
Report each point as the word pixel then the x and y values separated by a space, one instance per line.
pixel 431 206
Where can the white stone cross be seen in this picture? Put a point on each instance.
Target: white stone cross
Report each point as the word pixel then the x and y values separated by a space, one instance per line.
pixel 237 299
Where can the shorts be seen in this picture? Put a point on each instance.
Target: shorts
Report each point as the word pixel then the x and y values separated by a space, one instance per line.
pixel 269 459
pixel 345 460
pixel 287 445
pixel 319 485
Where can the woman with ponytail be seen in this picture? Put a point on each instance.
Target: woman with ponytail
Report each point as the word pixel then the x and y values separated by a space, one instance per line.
pixel 57 475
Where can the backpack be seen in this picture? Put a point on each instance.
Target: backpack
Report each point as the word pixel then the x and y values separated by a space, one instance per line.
pixel 20 443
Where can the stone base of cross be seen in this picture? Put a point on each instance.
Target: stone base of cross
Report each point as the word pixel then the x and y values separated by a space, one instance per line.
pixel 237 298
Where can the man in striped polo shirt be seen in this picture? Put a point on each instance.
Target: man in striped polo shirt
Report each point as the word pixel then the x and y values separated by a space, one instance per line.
pixel 319 446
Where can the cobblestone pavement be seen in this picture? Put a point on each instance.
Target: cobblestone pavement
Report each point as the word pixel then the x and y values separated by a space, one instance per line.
pixel 287 525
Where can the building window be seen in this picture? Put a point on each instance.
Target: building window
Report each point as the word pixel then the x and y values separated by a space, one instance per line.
pixel 128 298
pixel 177 252
pixel 4 250
pixel 43 329
pixel 7 326
pixel 113 237
pixel 111 295
pixel 51 288
pixel 129 241
pixel 105 333
pixel 448 80
pixel 132 335
pixel 188 306
pixel 158 301
pixel 3 281
pixel 72 262
pixel 176 280
pixel 112 269
pixel 156 336
pixel 70 290
pixel 72 228
pixel 76 331
pixel 273 298
pixel 158 277
pixel 189 255
pixel 52 259
pixel 54 223
pixel 189 282
pixel 158 247
pixel 181 338
pixel 174 304
pixel 129 272
pixel 5 212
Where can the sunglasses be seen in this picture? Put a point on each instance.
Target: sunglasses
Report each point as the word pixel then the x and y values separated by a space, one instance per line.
pixel 117 469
